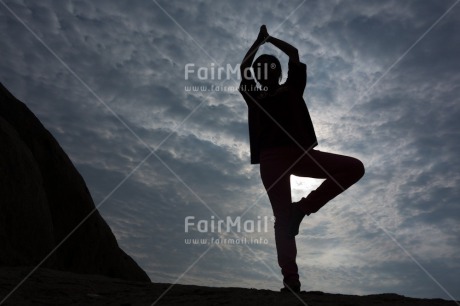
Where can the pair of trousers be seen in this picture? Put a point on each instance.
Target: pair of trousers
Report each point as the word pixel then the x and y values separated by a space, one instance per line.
pixel 276 167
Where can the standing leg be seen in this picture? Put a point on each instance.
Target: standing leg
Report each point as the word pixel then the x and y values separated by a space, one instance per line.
pixel 277 183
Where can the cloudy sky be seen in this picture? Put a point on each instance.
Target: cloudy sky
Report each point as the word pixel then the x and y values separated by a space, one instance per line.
pixel 107 78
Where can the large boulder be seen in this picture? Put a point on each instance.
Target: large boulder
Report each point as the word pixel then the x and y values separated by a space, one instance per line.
pixel 45 206
pixel 26 228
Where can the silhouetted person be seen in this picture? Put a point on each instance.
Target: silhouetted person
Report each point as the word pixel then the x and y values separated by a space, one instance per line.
pixel 282 139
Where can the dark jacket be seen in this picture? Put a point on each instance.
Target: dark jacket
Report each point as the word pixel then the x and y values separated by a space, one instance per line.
pixel 280 119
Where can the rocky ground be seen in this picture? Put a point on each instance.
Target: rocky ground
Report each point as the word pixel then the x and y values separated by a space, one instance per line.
pixel 50 287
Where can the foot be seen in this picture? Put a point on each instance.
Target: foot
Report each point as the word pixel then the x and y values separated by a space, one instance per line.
pixel 290 289
pixel 296 218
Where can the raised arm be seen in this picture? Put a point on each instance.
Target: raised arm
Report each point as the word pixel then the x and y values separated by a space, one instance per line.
pixel 249 57
pixel 297 74
pixel 290 50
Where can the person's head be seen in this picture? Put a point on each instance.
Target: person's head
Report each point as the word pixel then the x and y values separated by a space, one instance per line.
pixel 267 70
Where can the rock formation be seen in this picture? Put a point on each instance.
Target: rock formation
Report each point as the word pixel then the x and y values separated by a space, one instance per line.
pixel 43 198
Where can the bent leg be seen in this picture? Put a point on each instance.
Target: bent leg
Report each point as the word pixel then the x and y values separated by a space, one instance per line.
pixel 339 172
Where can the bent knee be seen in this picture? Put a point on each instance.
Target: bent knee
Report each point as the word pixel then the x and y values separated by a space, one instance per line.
pixel 359 169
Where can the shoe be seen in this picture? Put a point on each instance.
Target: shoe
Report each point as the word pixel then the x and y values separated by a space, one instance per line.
pixel 290 289
pixel 296 218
